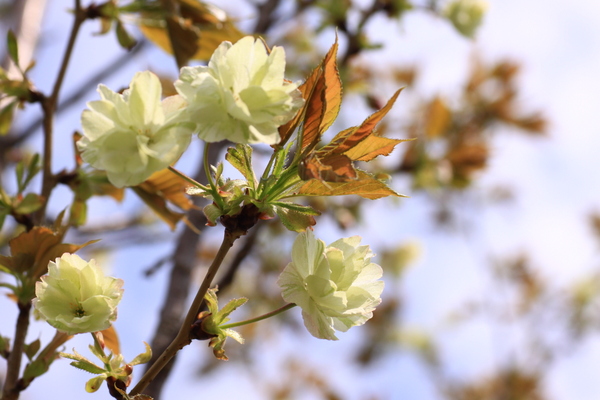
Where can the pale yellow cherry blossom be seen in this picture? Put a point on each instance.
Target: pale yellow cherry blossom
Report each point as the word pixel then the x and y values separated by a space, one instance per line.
pixel 337 286
pixel 241 95
pixel 76 296
pixel 134 134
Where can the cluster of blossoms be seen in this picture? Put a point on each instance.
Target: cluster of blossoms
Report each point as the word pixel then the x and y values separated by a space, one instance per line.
pixel 241 96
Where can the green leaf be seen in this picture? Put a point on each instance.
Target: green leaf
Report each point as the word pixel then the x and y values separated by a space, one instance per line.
pixel 4 346
pixel 94 384
pixel 230 307
pixel 6 117
pixel 240 157
pixel 20 170
pixel 365 186
pixel 125 39
pixel 144 357
pixel 32 348
pixel 78 213
pixel 88 367
pixel 297 207
pixel 25 176
pixel 30 203
pixel 33 169
pixel 294 220
pixel 83 363
pixel 12 46
pixel 35 369
pixel 2 218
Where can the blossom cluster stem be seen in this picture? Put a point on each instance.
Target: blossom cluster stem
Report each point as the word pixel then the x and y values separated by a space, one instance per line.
pixel 259 318
pixel 183 337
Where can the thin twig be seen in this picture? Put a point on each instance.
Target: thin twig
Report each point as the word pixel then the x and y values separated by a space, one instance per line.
pixel 180 280
pixel 49 105
pixel 11 390
pixel 183 337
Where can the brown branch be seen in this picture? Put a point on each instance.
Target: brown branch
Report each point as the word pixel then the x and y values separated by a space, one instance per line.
pixel 227 278
pixel 9 141
pixel 266 17
pixel 183 336
pixel 180 281
pixel 11 389
pixel 49 105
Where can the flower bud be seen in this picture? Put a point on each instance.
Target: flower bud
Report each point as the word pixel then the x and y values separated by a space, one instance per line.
pixel 466 15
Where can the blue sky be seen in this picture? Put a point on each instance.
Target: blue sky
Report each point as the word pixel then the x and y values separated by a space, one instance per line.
pixel 558 45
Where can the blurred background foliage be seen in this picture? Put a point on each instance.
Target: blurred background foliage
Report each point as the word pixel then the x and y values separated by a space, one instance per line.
pixel 454 142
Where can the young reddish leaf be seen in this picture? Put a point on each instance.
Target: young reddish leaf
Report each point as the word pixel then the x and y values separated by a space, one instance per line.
pixel 169 186
pixel 31 251
pixel 306 89
pixel 438 118
pixel 347 139
pixel 334 168
pixel 325 100
pixel 158 204
pixel 198 31
pixel 373 146
pixel 365 186
pixel 333 89
pixel 333 162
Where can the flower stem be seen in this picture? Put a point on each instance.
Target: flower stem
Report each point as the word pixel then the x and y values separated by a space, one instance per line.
pixel 259 318
pixel 265 174
pixel 216 197
pixel 187 178
pixel 183 337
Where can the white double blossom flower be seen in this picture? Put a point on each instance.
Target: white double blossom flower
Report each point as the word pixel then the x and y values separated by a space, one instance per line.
pixel 76 296
pixel 336 286
pixel 134 134
pixel 241 95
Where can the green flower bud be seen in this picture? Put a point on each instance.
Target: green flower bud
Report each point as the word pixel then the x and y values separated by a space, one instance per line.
pixel 466 15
